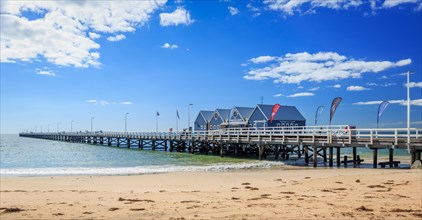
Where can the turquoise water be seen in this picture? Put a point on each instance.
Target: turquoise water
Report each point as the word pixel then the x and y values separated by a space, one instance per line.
pixel 29 156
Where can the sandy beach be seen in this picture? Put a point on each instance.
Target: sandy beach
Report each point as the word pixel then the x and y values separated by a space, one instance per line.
pixel 252 194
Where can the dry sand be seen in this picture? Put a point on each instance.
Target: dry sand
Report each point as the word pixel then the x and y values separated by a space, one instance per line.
pixel 258 194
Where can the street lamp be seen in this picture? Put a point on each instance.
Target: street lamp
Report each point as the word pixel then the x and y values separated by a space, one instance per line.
pixel 71 126
pixel 189 116
pixel 408 110
pixel 126 121
pixel 92 118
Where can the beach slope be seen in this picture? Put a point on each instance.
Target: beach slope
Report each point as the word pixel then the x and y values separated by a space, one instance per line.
pixel 251 194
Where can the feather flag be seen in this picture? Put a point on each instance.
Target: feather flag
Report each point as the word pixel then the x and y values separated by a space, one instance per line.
pixel 274 111
pixel 318 113
pixel 177 113
pixel 334 105
pixel 381 109
pixel 158 114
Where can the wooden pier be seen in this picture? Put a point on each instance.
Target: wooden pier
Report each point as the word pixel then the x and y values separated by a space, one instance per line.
pixel 309 142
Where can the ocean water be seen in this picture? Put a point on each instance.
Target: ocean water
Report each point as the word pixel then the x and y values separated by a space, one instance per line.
pixel 36 157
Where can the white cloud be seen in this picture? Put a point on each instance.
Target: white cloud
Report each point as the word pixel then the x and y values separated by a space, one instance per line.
pixel 337 86
pixel 64 31
pixel 314 89
pixel 233 10
pixel 414 84
pixel 169 46
pixel 386 84
pixel 416 102
pixel 179 16
pixel 126 103
pixel 317 67
pixel 45 72
pixel 104 102
pixel 394 3
pixel 262 59
pixel 278 95
pixel 301 94
pixel 291 7
pixel 356 88
pixel 118 37
pixel 93 35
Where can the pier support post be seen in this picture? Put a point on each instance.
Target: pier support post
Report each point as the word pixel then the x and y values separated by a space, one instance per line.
pixel 354 155
pixel 118 142
pixel 306 155
pixel 276 152
pixel 315 156
pixel 324 154
pixel 128 142
pixel 390 156
pixel 261 151
pixel 153 145
pixel 330 156
pixel 109 141
pixel 298 151
pixel 375 158
pixel 171 146
pixel 345 161
pixel 338 156
pixel 165 145
pixel 221 150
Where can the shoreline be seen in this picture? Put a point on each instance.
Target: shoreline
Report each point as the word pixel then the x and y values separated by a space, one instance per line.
pixel 236 194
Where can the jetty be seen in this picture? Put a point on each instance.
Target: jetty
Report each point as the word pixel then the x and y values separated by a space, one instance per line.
pixel 309 142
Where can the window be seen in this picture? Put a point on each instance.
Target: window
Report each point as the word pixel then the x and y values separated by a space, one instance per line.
pixel 283 124
pixel 296 124
pixel 218 126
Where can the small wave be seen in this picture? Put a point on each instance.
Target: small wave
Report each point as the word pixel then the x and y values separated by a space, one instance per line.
pixel 134 170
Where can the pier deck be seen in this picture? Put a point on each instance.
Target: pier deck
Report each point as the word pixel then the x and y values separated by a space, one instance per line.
pixel 311 142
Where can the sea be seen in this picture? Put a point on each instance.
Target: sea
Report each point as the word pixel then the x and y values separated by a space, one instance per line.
pixel 20 156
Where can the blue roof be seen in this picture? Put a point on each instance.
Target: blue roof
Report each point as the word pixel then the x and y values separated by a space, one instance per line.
pixel 224 114
pixel 207 115
pixel 285 112
pixel 245 112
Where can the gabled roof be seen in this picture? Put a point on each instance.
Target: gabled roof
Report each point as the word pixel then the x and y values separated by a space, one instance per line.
pixel 244 112
pixel 224 114
pixel 207 115
pixel 284 113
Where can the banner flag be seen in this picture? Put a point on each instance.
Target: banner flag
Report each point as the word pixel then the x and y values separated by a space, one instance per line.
pixel 177 113
pixel 158 114
pixel 319 110
pixel 381 109
pixel 274 112
pixel 334 105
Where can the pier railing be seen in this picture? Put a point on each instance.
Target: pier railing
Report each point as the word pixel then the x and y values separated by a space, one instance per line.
pixel 335 134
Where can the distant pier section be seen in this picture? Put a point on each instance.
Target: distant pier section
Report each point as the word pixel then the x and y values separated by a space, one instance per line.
pixel 309 142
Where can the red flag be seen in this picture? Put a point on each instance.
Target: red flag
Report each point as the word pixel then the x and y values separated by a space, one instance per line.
pixel 274 111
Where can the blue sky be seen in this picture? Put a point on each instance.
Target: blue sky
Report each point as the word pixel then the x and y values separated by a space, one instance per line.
pixel 64 61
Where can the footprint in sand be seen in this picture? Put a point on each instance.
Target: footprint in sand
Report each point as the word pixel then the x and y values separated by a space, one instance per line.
pixel 113 209
pixel 246 184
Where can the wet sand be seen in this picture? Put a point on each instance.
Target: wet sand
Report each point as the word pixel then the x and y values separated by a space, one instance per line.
pixel 253 194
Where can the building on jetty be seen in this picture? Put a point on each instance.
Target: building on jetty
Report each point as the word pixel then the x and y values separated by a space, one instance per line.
pixel 202 121
pixel 220 119
pixel 239 117
pixel 243 117
pixel 286 116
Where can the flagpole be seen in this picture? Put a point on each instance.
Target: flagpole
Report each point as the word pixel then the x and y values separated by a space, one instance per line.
pixel 156 122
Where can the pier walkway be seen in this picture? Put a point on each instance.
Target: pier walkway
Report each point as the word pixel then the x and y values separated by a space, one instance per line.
pixel 311 142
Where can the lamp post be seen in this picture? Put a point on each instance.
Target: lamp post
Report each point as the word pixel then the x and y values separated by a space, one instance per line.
pixel 92 118
pixel 189 116
pixel 126 121
pixel 408 110
pixel 71 126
